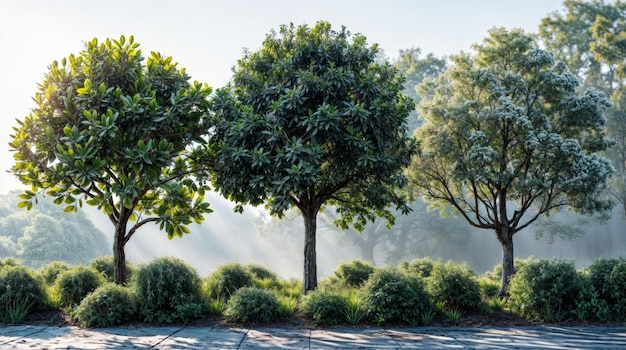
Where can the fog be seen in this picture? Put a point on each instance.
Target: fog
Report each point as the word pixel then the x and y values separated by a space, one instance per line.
pixel 226 236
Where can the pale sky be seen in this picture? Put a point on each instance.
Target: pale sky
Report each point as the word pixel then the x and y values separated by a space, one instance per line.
pixel 207 37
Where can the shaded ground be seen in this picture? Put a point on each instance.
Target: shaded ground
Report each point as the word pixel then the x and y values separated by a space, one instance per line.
pixel 494 319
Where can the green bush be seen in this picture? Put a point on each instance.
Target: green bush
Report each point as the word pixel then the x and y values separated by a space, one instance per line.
pixel 109 305
pixel 8 262
pixel 607 298
pixel 546 289
pixel 105 265
pixel 455 285
pixel 168 290
pixel 261 272
pixel 420 267
pixel 74 284
pixel 391 296
pixel 324 307
pixel 354 273
pixel 251 305
pixel 51 271
pixel 226 279
pixel 20 293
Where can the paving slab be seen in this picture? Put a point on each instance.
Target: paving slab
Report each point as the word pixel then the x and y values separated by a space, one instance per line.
pixel 42 337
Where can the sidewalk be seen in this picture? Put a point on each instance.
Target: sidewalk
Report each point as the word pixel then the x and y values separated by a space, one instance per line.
pixel 43 337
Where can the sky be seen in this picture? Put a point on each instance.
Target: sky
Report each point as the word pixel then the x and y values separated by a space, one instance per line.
pixel 207 37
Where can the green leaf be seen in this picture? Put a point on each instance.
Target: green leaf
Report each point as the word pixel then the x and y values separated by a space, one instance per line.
pixel 69 209
pixel 23 204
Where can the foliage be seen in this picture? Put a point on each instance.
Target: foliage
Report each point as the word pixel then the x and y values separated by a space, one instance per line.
pixel 354 273
pixel 118 132
pixel 106 266
pixel 74 284
pixel 606 298
pixel 546 289
pixel 168 290
pixel 311 119
pixel 226 279
pixel 47 234
pixel 51 271
pixel 507 130
pixel 588 36
pixel 392 297
pixel 286 306
pixel 421 267
pixel 455 285
pixel 20 293
pixel 417 69
pixel 261 272
pixel 109 305
pixel 324 307
pixel 251 305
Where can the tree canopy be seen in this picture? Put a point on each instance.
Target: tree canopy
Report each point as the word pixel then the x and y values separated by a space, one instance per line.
pixel 313 119
pixel 508 138
pixel 590 37
pixel 113 131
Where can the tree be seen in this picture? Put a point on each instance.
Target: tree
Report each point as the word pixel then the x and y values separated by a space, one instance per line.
pixel 113 132
pixel 589 36
pixel 311 119
pixel 507 139
pixel 416 69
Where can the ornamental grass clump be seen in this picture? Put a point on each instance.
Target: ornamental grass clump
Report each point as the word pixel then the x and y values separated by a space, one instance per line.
pixel 20 293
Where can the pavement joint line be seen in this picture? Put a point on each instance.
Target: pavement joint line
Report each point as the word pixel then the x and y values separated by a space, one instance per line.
pixel 167 337
pixel 388 334
pixel 243 338
pixel 25 335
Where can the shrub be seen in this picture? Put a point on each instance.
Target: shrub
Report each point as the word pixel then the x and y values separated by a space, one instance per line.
pixel 391 296
pixel 20 292
pixel 8 262
pixel 251 305
pixel 354 273
pixel 455 285
pixel 105 265
pixel 324 307
pixel 109 305
pixel 168 290
pixel 224 281
pixel 261 272
pixel 51 271
pixel 546 289
pixel 420 267
pixel 74 284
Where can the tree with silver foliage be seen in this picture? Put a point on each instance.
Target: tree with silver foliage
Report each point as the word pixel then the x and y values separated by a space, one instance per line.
pixel 507 139
pixel 311 119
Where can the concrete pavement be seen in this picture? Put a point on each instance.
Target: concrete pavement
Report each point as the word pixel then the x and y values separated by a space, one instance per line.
pixel 45 337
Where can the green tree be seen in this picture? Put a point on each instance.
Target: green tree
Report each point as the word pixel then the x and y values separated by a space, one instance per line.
pixel 589 37
pixel 416 69
pixel 507 138
pixel 113 132
pixel 311 119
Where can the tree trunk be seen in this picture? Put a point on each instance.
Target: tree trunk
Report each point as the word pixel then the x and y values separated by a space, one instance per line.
pixel 367 251
pixel 506 239
pixel 119 257
pixel 310 259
